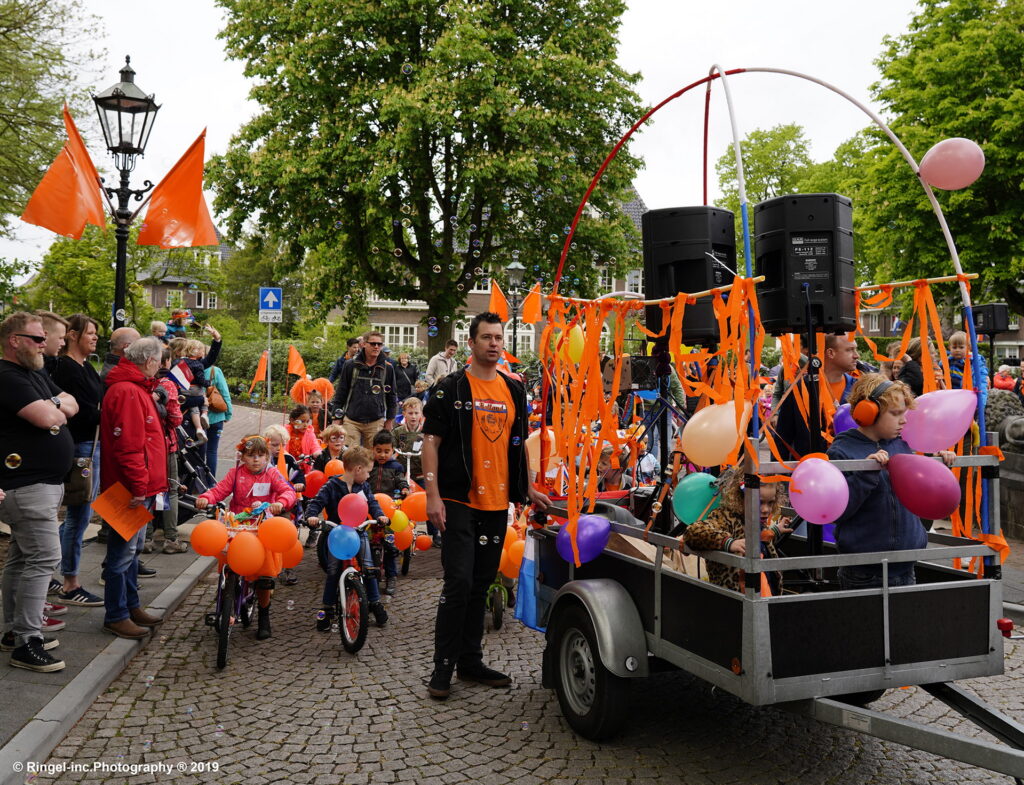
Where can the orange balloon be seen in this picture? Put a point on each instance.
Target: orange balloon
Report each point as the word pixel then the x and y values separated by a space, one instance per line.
pixel 511 536
pixel 415 506
pixel 209 537
pixel 246 553
pixel 424 542
pixel 505 566
pixel 270 566
pixel 292 556
pixel 403 539
pixel 515 553
pixel 334 467
pixel 277 534
pixel 387 504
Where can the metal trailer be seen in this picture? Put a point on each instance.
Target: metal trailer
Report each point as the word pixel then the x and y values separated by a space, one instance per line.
pixel 825 654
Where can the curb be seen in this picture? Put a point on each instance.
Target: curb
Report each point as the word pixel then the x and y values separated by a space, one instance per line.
pixel 47 729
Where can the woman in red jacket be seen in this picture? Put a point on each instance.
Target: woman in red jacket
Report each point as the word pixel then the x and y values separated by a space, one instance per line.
pixel 133 453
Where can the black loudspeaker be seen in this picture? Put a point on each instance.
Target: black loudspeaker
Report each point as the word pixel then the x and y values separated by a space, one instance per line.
pixel 990 319
pixel 682 250
pixel 805 238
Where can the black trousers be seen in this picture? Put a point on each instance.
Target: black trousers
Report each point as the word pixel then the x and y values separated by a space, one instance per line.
pixel 470 554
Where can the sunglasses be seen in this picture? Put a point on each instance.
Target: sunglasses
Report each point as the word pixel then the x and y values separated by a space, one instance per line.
pixel 40 339
pixel 374 343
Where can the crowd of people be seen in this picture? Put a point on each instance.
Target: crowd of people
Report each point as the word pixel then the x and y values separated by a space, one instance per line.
pixel 69 433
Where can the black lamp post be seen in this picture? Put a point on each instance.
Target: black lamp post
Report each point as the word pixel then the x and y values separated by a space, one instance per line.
pixel 515 272
pixel 126 117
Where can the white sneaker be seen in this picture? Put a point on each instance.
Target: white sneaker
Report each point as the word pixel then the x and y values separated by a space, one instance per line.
pixel 201 437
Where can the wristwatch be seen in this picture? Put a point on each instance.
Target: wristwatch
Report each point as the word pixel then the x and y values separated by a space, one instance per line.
pixel 56 401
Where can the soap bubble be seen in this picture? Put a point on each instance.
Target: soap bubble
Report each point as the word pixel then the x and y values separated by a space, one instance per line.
pixel 13 461
pixel 291 605
pixel 458 404
pixel 398 252
pixel 117 431
pixel 375 389
pixel 483 539
pixel 516 441
pixel 432 331
pixel 319 342
pixel 54 430
pixel 436 268
pixel 337 224
pixel 439 394
pixel 120 314
pixel 321 615
pixel 407 68
pixel 432 320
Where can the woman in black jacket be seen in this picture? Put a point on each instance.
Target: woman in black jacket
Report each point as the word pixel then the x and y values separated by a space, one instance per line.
pixel 405 377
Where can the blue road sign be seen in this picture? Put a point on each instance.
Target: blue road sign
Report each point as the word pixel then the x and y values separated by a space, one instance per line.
pixel 270 298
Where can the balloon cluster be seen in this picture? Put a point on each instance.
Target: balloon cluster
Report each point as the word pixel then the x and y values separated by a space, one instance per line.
pixel 274 546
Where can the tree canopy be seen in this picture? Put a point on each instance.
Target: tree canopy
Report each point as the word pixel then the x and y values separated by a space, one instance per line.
pixel 409 148
pixel 43 53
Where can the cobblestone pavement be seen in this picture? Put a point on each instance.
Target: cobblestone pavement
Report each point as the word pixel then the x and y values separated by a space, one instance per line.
pixel 298 709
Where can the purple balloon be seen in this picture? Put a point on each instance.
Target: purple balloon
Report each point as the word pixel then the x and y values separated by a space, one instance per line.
pixel 843 421
pixel 592 533
pixel 819 492
pixel 939 419
pixel 925 486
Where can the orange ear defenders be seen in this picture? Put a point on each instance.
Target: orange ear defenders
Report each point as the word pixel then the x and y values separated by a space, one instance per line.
pixel 867 410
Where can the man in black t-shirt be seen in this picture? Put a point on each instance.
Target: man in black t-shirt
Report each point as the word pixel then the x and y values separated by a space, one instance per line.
pixel 37 450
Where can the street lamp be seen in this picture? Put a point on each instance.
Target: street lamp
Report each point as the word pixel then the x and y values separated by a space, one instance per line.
pixel 126 117
pixel 514 273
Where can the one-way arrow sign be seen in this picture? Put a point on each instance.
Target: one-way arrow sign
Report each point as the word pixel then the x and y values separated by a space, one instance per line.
pixel 270 298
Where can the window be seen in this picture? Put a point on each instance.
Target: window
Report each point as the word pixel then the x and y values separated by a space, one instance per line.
pixel 175 299
pixel 1014 322
pixel 211 300
pixel 635 282
pixel 606 282
pixel 396 335
pixel 873 322
pixel 200 299
pixel 483 286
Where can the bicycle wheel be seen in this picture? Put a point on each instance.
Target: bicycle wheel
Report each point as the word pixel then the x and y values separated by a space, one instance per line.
pixel 248 612
pixel 496 602
pixel 353 613
pixel 228 592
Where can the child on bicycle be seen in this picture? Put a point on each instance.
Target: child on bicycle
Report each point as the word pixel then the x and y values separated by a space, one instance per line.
pixel 388 476
pixel 301 434
pixel 357 468
pixel 276 437
pixel 248 484
pixel 333 437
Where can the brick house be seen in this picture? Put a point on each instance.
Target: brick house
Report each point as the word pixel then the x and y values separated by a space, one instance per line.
pixel 177 282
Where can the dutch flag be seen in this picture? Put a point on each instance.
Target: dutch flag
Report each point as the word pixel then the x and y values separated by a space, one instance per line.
pixel 182 375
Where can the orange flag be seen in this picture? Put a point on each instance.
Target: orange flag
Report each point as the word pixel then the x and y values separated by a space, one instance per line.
pixel 178 215
pixel 531 306
pixel 261 372
pixel 282 463
pixel 498 303
pixel 68 196
pixel 296 364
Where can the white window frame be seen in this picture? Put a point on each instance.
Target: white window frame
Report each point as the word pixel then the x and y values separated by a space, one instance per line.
pixel 1014 322
pixel 526 337
pixel 174 298
pixel 606 280
pixel 398 335
pixel 201 299
pixel 873 322
pixel 635 282
pixel 483 286
pixel 211 301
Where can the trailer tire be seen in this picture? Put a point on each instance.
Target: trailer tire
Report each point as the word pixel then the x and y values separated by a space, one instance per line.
pixel 593 700
pixel 861 699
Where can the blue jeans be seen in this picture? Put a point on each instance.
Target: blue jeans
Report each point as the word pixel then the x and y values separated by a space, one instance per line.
pixel 77 519
pixel 121 575
pixel 334 570
pixel 869 576
pixel 212 444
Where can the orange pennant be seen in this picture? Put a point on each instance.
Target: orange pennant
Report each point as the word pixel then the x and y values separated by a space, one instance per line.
pixel 498 303
pixel 296 364
pixel 282 464
pixel 68 196
pixel 178 215
pixel 532 306
pixel 261 372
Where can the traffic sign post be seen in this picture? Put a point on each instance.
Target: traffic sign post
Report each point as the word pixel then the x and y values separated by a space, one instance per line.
pixel 271 304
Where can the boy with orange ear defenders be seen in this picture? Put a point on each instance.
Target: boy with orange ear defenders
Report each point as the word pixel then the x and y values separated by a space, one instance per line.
pixel 874 519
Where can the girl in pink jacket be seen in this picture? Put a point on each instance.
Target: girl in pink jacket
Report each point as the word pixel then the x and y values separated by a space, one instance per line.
pixel 251 482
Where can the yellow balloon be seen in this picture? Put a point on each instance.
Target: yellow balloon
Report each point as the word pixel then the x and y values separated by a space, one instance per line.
pixel 399 521
pixel 576 342
pixel 711 433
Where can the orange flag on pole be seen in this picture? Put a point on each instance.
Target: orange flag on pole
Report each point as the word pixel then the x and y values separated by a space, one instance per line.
pixel 68 196
pixel 296 364
pixel 261 372
pixel 532 306
pixel 498 303
pixel 178 215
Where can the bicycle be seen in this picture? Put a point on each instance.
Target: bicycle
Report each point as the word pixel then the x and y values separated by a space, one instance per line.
pixel 352 608
pixel 408 552
pixel 236 596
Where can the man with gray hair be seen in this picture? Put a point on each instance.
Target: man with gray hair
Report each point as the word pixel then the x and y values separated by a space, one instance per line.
pixel 120 339
pixel 133 453
pixel 37 451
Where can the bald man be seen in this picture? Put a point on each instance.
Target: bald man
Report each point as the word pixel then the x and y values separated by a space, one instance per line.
pixel 120 339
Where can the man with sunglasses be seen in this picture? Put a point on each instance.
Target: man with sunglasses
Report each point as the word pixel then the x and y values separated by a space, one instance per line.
pixel 366 399
pixel 37 451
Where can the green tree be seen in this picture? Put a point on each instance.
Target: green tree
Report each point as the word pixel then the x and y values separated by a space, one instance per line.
pixel 955 72
pixel 409 147
pixel 43 54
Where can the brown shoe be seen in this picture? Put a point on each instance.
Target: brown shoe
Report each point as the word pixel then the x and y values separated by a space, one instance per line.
pixel 175 546
pixel 126 628
pixel 144 619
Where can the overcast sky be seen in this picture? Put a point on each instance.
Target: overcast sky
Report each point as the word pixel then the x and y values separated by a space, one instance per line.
pixel 177 56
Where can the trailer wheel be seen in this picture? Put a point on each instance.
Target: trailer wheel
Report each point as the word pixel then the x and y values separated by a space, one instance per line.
pixel 861 699
pixel 593 700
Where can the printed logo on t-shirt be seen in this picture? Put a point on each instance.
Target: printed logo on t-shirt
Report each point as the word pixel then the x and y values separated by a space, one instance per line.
pixel 490 417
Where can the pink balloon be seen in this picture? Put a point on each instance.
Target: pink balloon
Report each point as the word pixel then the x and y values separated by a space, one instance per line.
pixel 352 509
pixel 925 486
pixel 819 492
pixel 952 164
pixel 939 419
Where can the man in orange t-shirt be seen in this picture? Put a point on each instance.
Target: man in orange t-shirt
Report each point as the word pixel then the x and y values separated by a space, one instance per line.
pixel 474 465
